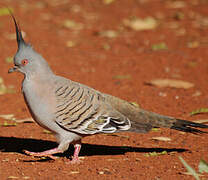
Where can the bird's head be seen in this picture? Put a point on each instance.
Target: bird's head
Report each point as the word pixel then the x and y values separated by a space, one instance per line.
pixel 26 59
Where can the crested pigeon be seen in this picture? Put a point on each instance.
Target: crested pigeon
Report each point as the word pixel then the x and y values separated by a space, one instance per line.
pixel 71 110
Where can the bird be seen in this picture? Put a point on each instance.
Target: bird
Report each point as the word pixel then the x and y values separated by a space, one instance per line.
pixel 71 110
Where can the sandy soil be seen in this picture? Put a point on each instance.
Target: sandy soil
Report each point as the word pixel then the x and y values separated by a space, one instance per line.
pixel 119 62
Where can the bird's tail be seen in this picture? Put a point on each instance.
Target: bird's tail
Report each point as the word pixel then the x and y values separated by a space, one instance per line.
pixel 143 121
pixel 188 126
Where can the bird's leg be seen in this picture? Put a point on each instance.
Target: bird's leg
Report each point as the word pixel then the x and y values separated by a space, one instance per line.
pixel 47 153
pixel 75 158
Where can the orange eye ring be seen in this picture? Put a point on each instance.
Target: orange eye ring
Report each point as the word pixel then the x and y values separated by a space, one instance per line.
pixel 24 62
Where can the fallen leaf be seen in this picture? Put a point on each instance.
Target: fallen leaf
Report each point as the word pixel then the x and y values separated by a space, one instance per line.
pixel 106 46
pixel 72 25
pixel 196 94
pixel 161 138
pixel 122 77
pixel 179 15
pixel 171 83
pixel 26 177
pixel 5 11
pixel 201 121
pixel 139 24
pixel 188 173
pixel 193 44
pixel 70 43
pixel 12 177
pixel 199 111
pixel 26 120
pixel 6 124
pixel 155 129
pixel 108 1
pixel 7 116
pixel 134 104
pixel 4 89
pixel 159 46
pixel 108 33
pixel 203 166
pixel 189 168
pixel 117 135
pixel 47 131
pixel 176 4
pixel 74 172
pixel 9 59
pixel 150 154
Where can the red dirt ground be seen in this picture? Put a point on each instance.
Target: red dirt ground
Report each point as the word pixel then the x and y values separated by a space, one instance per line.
pixel 96 61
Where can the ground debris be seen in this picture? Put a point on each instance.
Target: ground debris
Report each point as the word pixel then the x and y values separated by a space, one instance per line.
pixel 173 83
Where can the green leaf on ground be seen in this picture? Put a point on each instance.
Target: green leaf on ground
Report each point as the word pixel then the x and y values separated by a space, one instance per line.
pixel 189 168
pixel 155 129
pixel 203 166
pixel 5 11
pixel 150 154
pixel 122 77
pixel 72 24
pixel 159 46
pixel 47 131
pixel 199 111
pixel 9 59
pixel 134 104
pixel 6 124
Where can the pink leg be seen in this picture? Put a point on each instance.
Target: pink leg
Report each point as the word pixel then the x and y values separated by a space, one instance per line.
pixel 75 158
pixel 47 153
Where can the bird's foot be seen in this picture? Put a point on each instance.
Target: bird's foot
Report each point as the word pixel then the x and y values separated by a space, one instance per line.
pixel 47 153
pixel 75 160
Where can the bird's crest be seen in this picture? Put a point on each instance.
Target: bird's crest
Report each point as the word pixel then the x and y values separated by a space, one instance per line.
pixel 19 37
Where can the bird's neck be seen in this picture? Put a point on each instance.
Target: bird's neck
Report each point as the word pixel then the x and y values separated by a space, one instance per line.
pixel 39 75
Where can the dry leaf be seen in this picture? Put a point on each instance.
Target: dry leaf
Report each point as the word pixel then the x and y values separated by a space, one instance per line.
pixel 5 11
pixel 134 104
pixel 138 24
pixel 9 59
pixel 12 177
pixel 47 131
pixel 26 120
pixel 159 46
pixel 108 1
pixel 70 44
pixel 201 121
pixel 171 83
pixel 161 138
pixel 199 111
pixel 122 77
pixel 108 33
pixel 203 166
pixel 189 168
pixel 6 124
pixel 7 116
pixel 74 172
pixel 4 89
pixel 72 25
pixel 150 154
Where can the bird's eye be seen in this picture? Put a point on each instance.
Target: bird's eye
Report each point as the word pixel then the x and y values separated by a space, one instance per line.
pixel 24 62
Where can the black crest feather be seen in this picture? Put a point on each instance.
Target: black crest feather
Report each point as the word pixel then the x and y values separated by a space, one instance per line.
pixel 19 37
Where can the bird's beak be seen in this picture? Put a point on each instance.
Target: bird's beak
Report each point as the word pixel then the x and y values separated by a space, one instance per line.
pixel 13 69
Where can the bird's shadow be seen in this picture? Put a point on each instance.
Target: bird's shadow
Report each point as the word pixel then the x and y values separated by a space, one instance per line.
pixel 18 145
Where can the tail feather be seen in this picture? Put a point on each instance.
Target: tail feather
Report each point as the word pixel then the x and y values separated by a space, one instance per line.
pixel 188 126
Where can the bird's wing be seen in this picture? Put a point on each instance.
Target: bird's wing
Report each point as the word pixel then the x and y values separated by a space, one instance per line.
pixel 83 110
